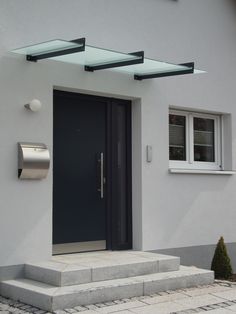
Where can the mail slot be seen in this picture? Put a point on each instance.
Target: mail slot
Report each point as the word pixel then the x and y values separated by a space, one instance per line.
pixel 33 160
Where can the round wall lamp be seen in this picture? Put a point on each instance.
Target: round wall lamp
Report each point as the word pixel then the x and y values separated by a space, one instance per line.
pixel 34 105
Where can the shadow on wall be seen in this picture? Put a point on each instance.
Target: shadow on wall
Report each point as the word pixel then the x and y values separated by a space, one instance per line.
pixel 232 3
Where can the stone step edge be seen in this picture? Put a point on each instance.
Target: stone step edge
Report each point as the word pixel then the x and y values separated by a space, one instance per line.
pixel 72 276
pixel 51 298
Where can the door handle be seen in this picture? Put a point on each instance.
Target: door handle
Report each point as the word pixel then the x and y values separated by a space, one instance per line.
pixel 101 188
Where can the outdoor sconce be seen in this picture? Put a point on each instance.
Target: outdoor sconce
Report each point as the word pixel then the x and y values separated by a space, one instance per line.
pixel 34 105
pixel 33 161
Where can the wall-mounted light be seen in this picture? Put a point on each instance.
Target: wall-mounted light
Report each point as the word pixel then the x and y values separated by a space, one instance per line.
pixel 34 105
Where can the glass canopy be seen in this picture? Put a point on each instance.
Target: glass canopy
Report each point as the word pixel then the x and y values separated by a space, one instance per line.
pixel 46 47
pixel 93 58
pixel 50 48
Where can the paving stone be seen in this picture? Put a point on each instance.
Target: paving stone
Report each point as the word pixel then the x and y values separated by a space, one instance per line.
pixel 206 308
pixel 100 304
pixel 26 307
pixel 218 311
pixel 227 295
pixel 12 310
pixel 229 303
pixel 159 293
pixel 17 311
pixel 223 304
pixel 144 297
pixel 120 307
pixel 162 308
pixel 123 312
pixel 166 298
pixel 18 304
pixel 10 302
pixel 59 312
pixel 89 312
pixel 33 309
pixel 3 307
pixel 111 303
pixel 70 311
pixel 91 307
pixel 126 300
pixel 232 308
pixel 80 308
pixel 118 301
pixel 199 301
pixel 215 306
pixel 134 298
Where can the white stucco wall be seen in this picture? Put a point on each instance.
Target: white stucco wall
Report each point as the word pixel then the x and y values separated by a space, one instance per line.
pixel 170 210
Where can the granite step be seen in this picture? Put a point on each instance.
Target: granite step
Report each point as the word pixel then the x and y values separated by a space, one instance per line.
pixel 74 269
pixel 50 298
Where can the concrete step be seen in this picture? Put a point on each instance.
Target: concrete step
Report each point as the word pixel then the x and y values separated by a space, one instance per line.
pixel 99 266
pixel 51 298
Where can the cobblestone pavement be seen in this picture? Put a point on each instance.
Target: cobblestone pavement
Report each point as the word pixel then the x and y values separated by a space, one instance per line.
pixel 218 298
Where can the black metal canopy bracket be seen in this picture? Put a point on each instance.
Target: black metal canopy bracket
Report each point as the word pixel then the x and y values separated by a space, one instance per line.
pixel 109 65
pixel 56 53
pixel 189 70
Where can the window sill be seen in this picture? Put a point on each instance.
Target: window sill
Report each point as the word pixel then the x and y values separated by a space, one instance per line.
pixel 189 171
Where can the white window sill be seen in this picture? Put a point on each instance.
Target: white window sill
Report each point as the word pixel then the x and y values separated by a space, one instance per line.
pixel 190 171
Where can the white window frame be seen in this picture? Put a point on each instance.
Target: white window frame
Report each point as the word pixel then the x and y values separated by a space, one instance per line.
pixel 189 163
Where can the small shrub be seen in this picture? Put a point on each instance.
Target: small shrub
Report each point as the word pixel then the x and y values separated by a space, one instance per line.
pixel 221 262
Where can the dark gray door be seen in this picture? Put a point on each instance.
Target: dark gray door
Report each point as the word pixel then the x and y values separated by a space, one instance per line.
pixel 79 142
pixel 91 173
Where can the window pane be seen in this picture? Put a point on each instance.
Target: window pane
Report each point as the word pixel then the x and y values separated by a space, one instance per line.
pixel 204 140
pixel 177 145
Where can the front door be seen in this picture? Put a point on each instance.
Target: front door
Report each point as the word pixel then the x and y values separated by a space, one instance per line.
pixel 91 173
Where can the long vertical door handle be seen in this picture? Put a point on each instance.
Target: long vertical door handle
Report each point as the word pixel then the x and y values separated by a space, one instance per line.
pixel 102 175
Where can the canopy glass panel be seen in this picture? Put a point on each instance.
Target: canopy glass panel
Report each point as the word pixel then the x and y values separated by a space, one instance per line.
pixel 47 47
pixel 151 66
pixel 93 58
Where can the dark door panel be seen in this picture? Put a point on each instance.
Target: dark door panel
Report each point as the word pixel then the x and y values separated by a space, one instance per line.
pixel 79 136
pixel 92 170
pixel 121 202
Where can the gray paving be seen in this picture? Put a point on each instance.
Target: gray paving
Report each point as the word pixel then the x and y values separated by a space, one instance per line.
pixel 219 297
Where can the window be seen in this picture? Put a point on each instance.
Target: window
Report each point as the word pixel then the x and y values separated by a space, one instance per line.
pixel 194 140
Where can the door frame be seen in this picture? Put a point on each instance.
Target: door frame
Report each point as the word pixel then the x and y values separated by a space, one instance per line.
pixel 111 170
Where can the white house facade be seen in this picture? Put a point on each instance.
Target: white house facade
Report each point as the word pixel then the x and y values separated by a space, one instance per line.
pixel 134 164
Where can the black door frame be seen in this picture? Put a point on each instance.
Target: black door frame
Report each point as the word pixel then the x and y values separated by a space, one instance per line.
pixel 111 170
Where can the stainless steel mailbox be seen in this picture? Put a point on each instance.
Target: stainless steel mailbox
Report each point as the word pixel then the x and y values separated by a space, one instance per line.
pixel 33 160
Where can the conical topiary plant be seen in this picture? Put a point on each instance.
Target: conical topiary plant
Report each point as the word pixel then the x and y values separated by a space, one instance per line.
pixel 221 262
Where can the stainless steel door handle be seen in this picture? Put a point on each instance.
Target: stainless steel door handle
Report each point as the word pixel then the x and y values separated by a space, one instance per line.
pixel 101 189
pixel 101 178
